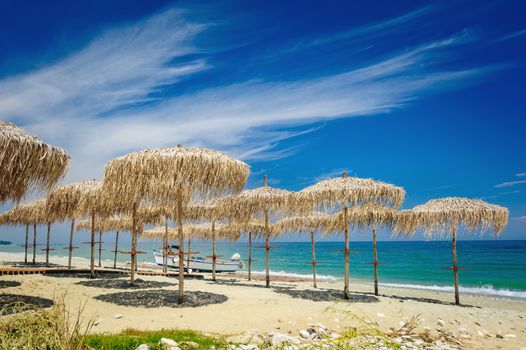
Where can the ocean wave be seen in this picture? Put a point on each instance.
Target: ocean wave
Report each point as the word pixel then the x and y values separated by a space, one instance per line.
pixel 296 275
pixel 486 290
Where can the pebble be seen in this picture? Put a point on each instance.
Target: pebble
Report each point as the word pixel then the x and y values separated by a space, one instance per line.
pixel 305 334
pixel 190 344
pixel 283 339
pixel 97 322
pixel 499 336
pixel 117 316
pixel 480 333
pixel 143 347
pixel 441 323
pixel 380 314
pixel 510 335
pixel 167 342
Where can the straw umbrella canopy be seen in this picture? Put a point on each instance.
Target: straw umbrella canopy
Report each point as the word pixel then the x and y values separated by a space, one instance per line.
pixel 307 222
pixel 27 163
pixel 63 201
pixel 441 218
pixel 92 201
pixel 117 223
pixel 172 174
pixel 342 193
pixel 27 213
pixel 372 216
pixel 264 201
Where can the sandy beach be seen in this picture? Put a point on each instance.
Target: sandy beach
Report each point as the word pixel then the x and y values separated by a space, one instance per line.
pixel 237 306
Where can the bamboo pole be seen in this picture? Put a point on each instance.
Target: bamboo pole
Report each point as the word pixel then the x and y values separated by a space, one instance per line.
pixel 165 246
pixel 214 257
pixel 188 258
pixel 455 269
pixel 25 249
pixel 267 247
pixel 375 263
pixel 100 248
pixel 313 249
pixel 250 256
pixel 71 243
pixel 92 257
pixel 134 244
pixel 47 242
pixel 346 252
pixel 181 249
pixel 116 250
pixel 34 243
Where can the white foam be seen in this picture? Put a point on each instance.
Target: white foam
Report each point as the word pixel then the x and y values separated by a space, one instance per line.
pixel 486 290
pixel 296 275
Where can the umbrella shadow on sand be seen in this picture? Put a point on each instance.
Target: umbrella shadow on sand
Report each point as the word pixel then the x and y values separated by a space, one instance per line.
pixel 325 295
pixel 8 284
pixel 124 283
pixel 83 275
pixel 425 300
pixel 162 298
pixel 14 303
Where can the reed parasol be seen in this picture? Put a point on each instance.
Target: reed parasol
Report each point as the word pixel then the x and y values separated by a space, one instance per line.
pixel 171 174
pixel 92 201
pixel 117 223
pixel 28 213
pixel 441 217
pixel 310 222
pixel 366 216
pixel 264 201
pixel 342 193
pixel 63 201
pixel 27 163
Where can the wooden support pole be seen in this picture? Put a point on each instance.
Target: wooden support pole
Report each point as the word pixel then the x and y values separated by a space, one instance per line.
pixel 188 258
pixel 134 244
pixel 116 250
pixel 92 256
pixel 25 249
pixel 214 257
pixel 34 243
pixel 47 242
pixel 455 270
pixel 100 248
pixel 346 254
pixel 180 299
pixel 71 243
pixel 165 246
pixel 313 249
pixel 267 249
pixel 375 263
pixel 250 256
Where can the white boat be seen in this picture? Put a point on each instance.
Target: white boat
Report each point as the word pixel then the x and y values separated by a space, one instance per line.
pixel 202 264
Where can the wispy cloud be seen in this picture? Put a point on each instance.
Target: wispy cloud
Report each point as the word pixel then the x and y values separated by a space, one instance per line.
pixel 510 183
pixel 512 35
pixel 520 174
pixel 109 98
pixel 520 218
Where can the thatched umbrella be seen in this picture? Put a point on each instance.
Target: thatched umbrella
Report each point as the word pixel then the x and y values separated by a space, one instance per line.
pixel 63 202
pixel 310 222
pixel 168 174
pixel 93 201
pixel 342 193
pixel 366 216
pixel 264 201
pixel 441 217
pixel 27 163
pixel 29 213
pixel 117 223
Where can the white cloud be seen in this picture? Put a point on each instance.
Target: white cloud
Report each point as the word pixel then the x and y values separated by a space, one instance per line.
pixel 104 100
pixel 520 174
pixel 512 35
pixel 510 183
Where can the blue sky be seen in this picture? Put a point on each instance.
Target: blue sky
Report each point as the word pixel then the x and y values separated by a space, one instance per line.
pixel 426 95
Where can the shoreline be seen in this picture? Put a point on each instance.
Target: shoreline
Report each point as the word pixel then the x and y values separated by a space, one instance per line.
pixel 8 258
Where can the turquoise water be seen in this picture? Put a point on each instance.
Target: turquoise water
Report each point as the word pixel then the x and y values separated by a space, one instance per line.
pixel 493 267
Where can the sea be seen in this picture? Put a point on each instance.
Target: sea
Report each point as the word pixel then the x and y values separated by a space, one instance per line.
pixel 493 267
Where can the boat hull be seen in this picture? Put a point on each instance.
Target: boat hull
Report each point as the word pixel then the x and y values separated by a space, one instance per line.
pixel 199 264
